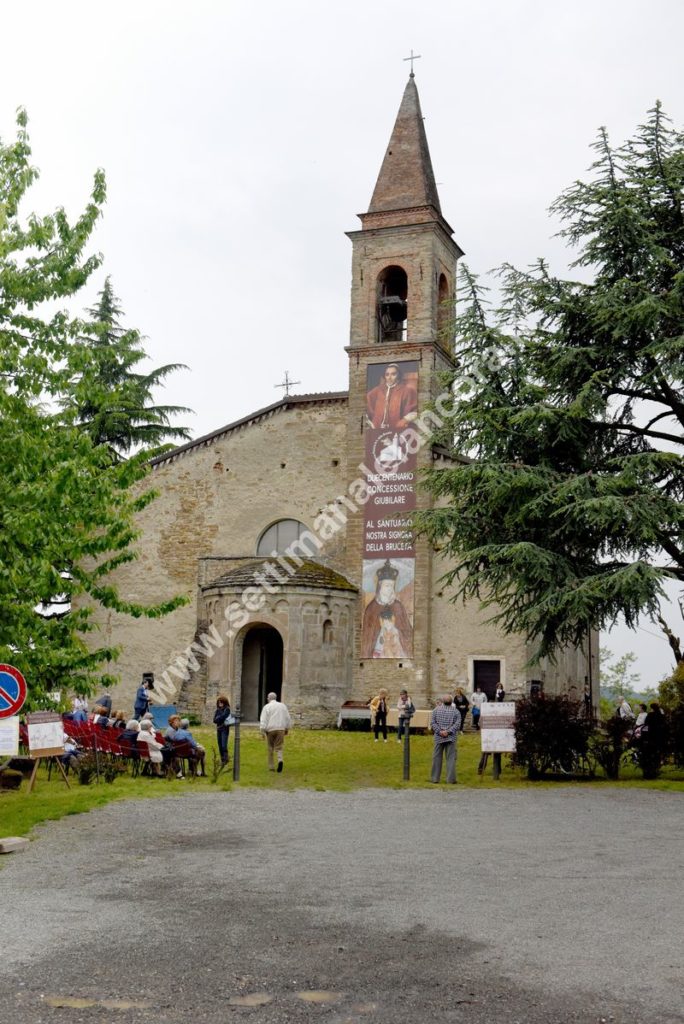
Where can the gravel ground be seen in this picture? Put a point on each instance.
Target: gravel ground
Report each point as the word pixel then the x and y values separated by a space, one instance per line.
pixel 379 906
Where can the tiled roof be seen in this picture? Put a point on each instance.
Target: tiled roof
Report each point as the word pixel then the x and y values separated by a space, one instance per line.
pixel 406 178
pixel 308 574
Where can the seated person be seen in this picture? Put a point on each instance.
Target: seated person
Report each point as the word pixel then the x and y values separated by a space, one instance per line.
pixel 198 751
pixel 146 735
pixel 129 737
pixel 118 720
pixel 173 727
pixel 170 735
pixel 79 709
pixel 71 753
pixel 100 716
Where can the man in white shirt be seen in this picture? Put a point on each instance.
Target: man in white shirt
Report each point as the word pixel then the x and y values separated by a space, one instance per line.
pixel 477 699
pixel 274 724
pixel 624 710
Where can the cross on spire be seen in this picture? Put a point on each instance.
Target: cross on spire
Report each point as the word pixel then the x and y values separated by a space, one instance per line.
pixel 414 56
pixel 287 384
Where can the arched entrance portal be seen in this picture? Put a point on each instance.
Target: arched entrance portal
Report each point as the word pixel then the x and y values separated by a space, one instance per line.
pixel 262 670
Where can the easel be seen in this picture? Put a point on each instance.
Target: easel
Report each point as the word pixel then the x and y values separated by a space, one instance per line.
pixel 496 765
pixel 497 725
pixel 49 755
pixel 45 740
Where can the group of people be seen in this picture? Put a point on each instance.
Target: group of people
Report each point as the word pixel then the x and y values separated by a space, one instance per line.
pixel 477 698
pixel 646 732
pixel 163 755
pixel 445 724
pixel 274 725
pixel 379 707
pixel 446 721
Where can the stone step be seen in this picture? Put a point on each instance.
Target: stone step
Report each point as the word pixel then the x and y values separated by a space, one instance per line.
pixel 12 844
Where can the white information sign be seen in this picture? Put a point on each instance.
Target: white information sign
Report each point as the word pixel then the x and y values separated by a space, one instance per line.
pixel 9 736
pixel 497 728
pixel 45 734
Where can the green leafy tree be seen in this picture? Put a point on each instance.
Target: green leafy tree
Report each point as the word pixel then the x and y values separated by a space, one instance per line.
pixel 112 400
pixel 66 509
pixel 569 401
pixel 671 690
pixel 617 677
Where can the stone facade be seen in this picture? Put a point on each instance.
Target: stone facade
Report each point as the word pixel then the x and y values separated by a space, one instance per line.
pixel 215 499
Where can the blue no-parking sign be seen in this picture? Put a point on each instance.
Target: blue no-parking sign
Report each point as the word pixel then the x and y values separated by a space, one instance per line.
pixel 12 690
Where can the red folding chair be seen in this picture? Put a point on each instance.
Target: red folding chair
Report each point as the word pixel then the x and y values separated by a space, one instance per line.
pixel 185 754
pixel 129 750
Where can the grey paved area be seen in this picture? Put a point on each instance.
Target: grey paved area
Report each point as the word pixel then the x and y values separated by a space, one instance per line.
pixel 444 905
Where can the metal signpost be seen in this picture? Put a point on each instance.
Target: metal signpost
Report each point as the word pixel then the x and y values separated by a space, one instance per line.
pixel 407 745
pixel 236 745
pixel 407 750
pixel 13 692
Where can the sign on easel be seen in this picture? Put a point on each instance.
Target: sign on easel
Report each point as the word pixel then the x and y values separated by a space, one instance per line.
pixel 45 734
pixel 497 732
pixel 497 728
pixel 9 736
pixel 45 739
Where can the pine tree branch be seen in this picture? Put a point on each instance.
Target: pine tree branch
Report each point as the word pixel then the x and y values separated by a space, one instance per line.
pixel 631 428
pixel 673 641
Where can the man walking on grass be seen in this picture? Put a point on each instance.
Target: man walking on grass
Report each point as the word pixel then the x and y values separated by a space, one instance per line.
pixel 274 724
pixel 445 723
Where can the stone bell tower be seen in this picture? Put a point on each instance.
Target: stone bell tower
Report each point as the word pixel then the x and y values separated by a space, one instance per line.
pixel 402 301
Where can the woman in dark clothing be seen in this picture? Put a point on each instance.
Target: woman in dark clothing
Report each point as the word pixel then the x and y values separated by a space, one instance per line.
pixel 128 740
pixel 462 704
pixel 221 714
pixel 653 741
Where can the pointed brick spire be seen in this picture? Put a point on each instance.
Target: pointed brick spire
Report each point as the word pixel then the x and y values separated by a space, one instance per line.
pixel 406 178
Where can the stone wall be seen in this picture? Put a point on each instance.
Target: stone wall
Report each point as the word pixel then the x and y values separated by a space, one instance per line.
pixel 216 500
pixel 316 667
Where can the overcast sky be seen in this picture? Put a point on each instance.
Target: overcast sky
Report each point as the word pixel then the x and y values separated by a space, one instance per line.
pixel 241 139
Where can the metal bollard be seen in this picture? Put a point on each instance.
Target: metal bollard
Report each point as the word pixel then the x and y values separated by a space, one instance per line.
pixel 236 745
pixel 407 749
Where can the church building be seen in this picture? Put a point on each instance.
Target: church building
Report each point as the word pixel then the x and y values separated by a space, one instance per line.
pixel 287 529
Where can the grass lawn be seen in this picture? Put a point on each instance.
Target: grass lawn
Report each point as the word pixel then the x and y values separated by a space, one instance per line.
pixel 320 760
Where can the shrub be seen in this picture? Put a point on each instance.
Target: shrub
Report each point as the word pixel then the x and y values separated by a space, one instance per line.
pixel 86 768
pixel 357 724
pixel 112 768
pixel 607 744
pixel 671 693
pixel 9 779
pixel 671 690
pixel 551 735
pixel 677 735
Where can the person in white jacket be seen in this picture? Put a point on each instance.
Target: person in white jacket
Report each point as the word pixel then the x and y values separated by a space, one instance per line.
pixel 274 724
pixel 146 735
pixel 477 699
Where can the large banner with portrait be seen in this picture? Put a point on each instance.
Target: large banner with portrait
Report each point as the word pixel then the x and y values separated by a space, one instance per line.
pixel 388 546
